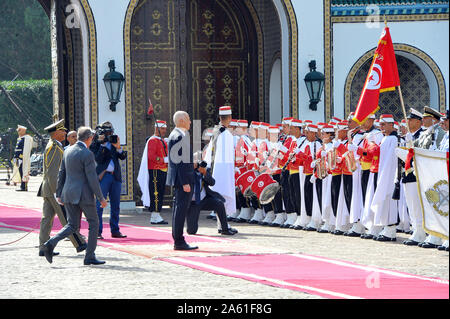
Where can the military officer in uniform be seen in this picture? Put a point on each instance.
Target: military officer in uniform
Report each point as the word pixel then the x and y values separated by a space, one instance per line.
pixel 431 139
pixel 52 160
pixel 21 159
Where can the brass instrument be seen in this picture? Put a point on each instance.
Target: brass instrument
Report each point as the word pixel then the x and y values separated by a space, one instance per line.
pixel 321 168
pixel 332 159
pixel 350 160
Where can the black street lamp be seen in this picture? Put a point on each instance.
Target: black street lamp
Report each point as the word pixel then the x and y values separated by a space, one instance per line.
pixel 314 83
pixel 114 85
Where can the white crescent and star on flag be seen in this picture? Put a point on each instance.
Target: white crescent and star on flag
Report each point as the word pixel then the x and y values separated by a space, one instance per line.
pixel 374 82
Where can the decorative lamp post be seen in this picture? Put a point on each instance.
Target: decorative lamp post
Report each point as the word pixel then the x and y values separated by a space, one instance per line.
pixel 314 83
pixel 114 84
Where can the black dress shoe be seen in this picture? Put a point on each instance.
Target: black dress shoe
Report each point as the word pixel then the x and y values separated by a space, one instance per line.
pixel 41 253
pixel 429 245
pixel 184 247
pixel 118 235
pixel 367 236
pixel 241 220
pixel 385 238
pixel 94 261
pixel 100 237
pixel 298 227
pixel 48 252
pixel 81 248
pixel 253 222
pixel 275 225
pixel 310 229
pixel 352 234
pixel 338 232
pixel 410 242
pixel 230 230
pixel 162 222
pixel 322 231
pixel 442 247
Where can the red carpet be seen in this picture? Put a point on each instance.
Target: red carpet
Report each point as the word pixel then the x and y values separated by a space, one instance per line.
pixel 320 276
pixel 16 217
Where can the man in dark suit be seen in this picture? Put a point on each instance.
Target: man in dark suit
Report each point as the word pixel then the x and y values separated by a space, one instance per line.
pixel 206 199
pixel 77 186
pixel 180 176
pixel 108 152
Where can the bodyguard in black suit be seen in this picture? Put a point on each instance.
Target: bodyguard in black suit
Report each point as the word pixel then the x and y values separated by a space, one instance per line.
pixel 206 199
pixel 180 176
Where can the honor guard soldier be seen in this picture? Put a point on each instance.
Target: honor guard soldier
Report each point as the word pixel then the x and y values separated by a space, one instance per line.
pixel 292 164
pixel 21 159
pixel 53 155
pixel 220 157
pixel 153 173
pixel 285 139
pixel 275 208
pixel 308 155
pixel 431 139
pixel 383 206
pixel 261 150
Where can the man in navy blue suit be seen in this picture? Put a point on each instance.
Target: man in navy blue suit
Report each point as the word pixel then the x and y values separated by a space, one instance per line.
pixel 180 176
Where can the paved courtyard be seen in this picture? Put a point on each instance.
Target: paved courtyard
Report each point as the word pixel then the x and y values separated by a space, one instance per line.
pixel 137 272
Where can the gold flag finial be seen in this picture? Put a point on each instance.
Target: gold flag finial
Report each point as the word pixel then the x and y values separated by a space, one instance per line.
pixel 385 21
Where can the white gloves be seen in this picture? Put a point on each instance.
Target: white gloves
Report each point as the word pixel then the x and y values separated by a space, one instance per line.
pixel 323 154
pixel 166 160
pixel 313 179
pixel 313 164
pixel 336 144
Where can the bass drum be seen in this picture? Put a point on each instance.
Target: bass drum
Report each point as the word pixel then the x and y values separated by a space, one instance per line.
pixel 265 188
pixel 245 181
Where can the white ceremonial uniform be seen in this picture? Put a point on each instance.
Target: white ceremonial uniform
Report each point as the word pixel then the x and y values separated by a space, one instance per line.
pixel 383 206
pixel 223 170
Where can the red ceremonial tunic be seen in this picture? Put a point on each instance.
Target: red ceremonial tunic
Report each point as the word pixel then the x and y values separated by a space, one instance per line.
pixel 341 150
pixel 156 155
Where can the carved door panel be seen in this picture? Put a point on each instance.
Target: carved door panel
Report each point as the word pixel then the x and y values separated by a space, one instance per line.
pixel 220 46
pixel 154 69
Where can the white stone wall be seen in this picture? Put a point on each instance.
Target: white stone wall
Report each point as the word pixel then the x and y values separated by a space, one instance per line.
pixel 109 19
pixel 310 47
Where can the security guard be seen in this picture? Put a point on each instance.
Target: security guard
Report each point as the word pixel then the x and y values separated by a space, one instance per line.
pixel 52 160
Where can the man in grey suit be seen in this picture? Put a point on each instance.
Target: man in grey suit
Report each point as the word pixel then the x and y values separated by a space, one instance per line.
pixel 77 185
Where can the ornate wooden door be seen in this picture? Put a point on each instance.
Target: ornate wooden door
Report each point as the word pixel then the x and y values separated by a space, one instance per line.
pixel 191 55
pixel 222 43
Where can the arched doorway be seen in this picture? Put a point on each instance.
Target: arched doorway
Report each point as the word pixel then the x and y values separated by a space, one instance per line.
pixel 192 55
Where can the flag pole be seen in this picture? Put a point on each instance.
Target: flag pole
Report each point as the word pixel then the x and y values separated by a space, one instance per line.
pixel 157 125
pixel 402 103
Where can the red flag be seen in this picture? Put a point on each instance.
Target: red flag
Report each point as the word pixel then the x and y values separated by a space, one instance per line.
pixel 150 107
pixel 382 77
